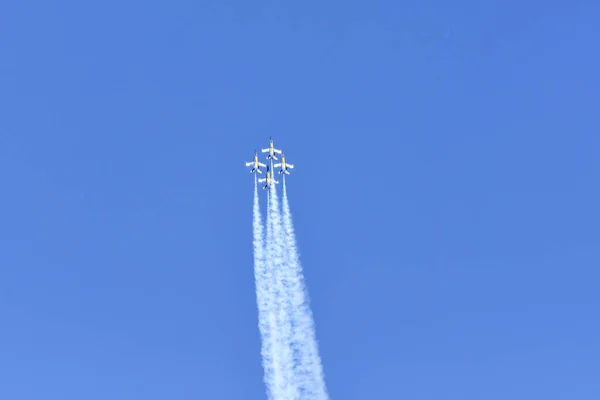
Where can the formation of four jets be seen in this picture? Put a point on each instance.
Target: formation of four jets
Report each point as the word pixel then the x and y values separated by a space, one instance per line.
pixel 256 165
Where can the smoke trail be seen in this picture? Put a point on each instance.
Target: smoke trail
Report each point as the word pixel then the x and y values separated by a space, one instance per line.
pixel 264 300
pixel 307 367
pixel 275 257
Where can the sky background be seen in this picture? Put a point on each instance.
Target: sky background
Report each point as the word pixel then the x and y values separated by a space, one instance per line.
pixel 445 195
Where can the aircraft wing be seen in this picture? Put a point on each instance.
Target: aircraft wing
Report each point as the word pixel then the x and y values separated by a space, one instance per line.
pixel 262 179
pixel 265 150
pixel 277 151
pixel 249 163
pixel 262 165
pixel 274 181
pixel 277 165
pixel 289 165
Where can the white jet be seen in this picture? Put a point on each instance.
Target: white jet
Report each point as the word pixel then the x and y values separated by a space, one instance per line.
pixel 271 150
pixel 268 180
pixel 284 166
pixel 256 164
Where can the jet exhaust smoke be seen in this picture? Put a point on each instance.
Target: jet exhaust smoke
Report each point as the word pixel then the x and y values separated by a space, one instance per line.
pixel 276 253
pixel 264 300
pixel 308 369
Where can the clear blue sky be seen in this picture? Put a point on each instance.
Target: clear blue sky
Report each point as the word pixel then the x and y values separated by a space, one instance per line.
pixel 445 195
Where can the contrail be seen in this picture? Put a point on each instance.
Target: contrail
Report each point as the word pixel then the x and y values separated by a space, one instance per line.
pixel 290 355
pixel 308 370
pixel 275 256
pixel 264 299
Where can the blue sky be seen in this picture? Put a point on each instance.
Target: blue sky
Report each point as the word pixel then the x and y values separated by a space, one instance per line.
pixel 445 195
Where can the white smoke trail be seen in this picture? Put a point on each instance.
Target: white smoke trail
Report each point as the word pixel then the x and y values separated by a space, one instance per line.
pixel 275 257
pixel 308 370
pixel 266 318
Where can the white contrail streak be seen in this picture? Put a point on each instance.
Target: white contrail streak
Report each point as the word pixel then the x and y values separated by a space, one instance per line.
pixel 290 354
pixel 308 370
pixel 275 256
pixel 266 318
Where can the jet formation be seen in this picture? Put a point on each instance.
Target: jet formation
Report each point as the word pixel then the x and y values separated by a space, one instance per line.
pixel 271 151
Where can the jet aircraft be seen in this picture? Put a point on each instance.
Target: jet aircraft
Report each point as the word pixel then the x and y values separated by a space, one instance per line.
pixel 268 180
pixel 271 150
pixel 256 164
pixel 284 166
